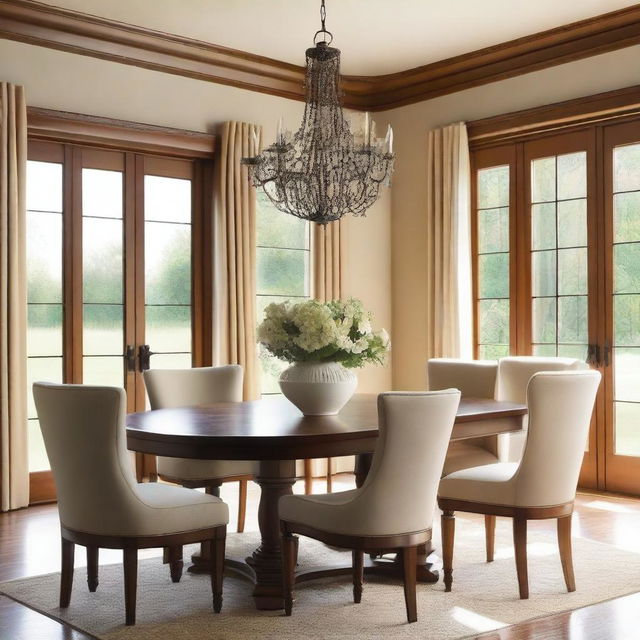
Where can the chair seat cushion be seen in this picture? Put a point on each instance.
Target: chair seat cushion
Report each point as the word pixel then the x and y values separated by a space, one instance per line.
pixel 464 455
pixel 488 484
pixel 194 470
pixel 166 509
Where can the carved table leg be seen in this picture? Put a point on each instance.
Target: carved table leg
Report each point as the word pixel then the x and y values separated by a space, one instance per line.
pixel 276 478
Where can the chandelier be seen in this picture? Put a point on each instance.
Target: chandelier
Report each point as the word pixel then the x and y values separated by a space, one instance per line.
pixel 323 171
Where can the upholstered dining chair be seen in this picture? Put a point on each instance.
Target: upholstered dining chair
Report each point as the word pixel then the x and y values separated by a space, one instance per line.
pixel 474 379
pixel 392 511
pixel 514 373
pixel 169 388
pixel 99 500
pixel 542 485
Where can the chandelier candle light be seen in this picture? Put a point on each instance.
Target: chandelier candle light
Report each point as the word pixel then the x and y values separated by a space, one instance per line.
pixel 322 171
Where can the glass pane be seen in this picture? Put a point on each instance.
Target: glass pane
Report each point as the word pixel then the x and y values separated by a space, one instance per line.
pixel 44 257
pixel 543 226
pixel 493 351
pixel 167 268
pixel 102 193
pixel 626 168
pixel 627 429
pixel 543 273
pixel 544 350
pixel 627 374
pixel 544 320
pixel 107 371
pixel 38 460
pixel 102 260
pixel 572 175
pixel 103 331
pixel 167 199
pixel 572 272
pixel 572 320
pixel 493 321
pixel 626 268
pixel 171 361
pixel 577 351
pixel 493 187
pixel 44 330
pixel 543 180
pixel 44 186
pixel 168 328
pixel 277 229
pixel 626 217
pixel 282 271
pixel 572 223
pixel 626 313
pixel 493 275
pixel 493 230
pixel 41 370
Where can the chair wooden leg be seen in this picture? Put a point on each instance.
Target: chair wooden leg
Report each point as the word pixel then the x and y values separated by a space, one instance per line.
pixel 217 570
pixel 329 476
pixel 242 505
pixel 66 575
pixel 92 568
pixel 520 543
pixel 358 574
pixel 175 563
pixel 289 545
pixel 409 562
pixel 308 478
pixel 130 558
pixel 490 535
pixel 566 556
pixel 448 526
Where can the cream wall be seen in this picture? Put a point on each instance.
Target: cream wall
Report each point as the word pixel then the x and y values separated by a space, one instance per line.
pixel 69 82
pixel 409 243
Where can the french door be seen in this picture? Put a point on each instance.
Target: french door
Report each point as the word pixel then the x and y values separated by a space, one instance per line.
pixel 118 270
pixel 557 272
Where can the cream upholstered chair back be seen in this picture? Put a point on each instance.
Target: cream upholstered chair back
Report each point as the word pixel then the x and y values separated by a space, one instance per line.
pixel 399 494
pixel 514 373
pixel 83 431
pixel 474 378
pixel 560 407
pixel 184 387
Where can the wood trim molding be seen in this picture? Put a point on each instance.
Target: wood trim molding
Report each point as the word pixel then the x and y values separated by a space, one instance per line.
pixel 75 128
pixel 587 110
pixel 45 25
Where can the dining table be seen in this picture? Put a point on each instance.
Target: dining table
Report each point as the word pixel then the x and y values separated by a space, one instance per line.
pixel 273 432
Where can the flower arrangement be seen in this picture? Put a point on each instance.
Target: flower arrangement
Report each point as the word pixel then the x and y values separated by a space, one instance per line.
pixel 312 331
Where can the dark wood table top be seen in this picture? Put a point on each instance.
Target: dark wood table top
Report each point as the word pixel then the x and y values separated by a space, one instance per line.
pixel 274 429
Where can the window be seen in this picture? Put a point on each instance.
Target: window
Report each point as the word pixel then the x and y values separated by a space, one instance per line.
pixel 283 257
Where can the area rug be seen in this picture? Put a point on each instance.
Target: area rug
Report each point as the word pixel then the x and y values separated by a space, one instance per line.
pixel 484 596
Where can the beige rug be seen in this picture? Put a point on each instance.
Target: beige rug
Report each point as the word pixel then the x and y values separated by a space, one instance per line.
pixel 485 596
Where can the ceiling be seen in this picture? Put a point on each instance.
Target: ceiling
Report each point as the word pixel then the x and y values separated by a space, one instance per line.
pixel 376 36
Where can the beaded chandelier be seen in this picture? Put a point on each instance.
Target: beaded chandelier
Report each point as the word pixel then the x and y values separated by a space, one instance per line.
pixel 322 171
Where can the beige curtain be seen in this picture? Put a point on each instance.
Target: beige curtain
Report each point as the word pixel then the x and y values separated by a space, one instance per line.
pixel 235 255
pixel 449 311
pixel 14 465
pixel 328 260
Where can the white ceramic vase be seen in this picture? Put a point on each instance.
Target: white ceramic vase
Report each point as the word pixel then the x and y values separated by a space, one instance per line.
pixel 318 388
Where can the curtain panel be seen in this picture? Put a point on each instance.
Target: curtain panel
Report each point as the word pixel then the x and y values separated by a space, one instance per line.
pixel 14 463
pixel 235 255
pixel 449 305
pixel 328 260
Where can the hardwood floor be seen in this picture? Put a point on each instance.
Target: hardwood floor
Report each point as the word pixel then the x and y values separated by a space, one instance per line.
pixel 30 545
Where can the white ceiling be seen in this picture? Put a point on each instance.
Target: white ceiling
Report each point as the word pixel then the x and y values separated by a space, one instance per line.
pixel 375 36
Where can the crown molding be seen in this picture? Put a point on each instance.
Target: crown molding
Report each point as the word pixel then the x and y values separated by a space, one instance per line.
pixel 48 26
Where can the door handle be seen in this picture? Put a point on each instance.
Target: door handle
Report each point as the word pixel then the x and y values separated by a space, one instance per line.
pixel 593 354
pixel 144 354
pixel 130 357
pixel 607 353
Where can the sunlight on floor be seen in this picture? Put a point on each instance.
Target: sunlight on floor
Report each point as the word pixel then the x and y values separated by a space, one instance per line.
pixel 608 506
pixel 474 620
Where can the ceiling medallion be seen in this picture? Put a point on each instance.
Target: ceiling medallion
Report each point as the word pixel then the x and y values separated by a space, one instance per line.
pixel 323 171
